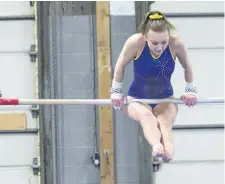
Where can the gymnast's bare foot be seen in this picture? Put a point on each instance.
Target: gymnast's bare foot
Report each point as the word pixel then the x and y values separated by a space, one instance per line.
pixel 167 156
pixel 158 150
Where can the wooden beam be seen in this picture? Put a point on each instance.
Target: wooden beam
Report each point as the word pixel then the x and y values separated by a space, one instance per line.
pixel 104 84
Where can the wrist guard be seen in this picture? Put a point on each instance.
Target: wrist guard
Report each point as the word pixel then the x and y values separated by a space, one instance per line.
pixel 190 89
pixel 116 87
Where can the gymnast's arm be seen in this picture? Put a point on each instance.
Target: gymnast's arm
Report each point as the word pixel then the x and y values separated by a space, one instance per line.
pixel 182 55
pixel 127 54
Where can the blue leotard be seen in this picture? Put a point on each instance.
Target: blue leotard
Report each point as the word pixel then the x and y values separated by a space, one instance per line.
pixel 152 76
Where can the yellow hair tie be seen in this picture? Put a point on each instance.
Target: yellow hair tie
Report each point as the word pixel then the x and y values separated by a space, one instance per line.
pixel 155 16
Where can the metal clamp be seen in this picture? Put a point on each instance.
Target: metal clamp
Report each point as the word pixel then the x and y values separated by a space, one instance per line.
pixel 33 53
pixel 35 111
pixel 155 164
pixel 32 3
pixel 35 166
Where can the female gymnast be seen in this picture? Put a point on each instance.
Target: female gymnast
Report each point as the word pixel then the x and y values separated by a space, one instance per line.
pixel 154 51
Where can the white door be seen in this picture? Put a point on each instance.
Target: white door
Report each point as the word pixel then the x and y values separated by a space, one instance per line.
pixel 199 153
pixel 18 134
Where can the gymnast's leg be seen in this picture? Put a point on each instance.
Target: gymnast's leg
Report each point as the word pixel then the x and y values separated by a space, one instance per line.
pixel 166 114
pixel 143 114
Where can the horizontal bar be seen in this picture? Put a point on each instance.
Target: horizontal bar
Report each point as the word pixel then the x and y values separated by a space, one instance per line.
pixel 17 17
pixel 195 15
pixel 219 161
pixel 28 131
pixel 11 52
pixel 205 48
pixel 198 127
pixel 14 101
pixel 16 166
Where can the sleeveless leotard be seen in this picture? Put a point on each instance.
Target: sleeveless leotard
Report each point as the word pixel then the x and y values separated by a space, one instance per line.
pixel 152 76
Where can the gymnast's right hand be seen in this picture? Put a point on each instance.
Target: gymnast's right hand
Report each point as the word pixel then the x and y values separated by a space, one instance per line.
pixel 117 96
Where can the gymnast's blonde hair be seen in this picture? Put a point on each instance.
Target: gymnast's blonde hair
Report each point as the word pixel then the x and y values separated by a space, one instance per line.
pixel 156 21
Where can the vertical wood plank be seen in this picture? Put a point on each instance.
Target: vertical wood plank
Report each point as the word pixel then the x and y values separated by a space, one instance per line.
pixel 104 84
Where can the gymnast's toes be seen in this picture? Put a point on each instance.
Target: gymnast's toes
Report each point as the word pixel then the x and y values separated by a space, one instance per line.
pixel 157 150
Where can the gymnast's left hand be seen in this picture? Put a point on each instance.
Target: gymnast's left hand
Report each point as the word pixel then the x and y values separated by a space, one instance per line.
pixel 189 99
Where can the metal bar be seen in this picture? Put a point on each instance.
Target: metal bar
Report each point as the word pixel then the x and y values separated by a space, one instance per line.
pixel 14 101
pixel 17 17
pixel 17 166
pixel 28 131
pixel 205 48
pixel 219 161
pixel 44 53
pixel 41 31
pixel 195 15
pixel 198 127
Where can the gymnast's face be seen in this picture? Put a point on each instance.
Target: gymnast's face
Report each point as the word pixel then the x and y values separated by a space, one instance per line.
pixel 157 41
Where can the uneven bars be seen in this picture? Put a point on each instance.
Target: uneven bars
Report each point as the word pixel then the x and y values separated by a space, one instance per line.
pixel 15 101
